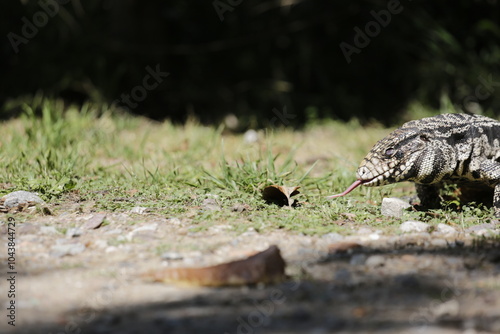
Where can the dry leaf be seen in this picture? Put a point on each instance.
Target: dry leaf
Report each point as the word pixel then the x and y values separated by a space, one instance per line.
pixel 280 195
pixel 264 267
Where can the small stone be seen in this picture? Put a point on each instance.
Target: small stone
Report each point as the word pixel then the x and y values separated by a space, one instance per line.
pixel 114 231
pixel 239 207
pixel 110 249
pixel 74 232
pixel 332 236
pixel 211 204
pixel 173 256
pixel 251 136
pixel 149 228
pixel 450 308
pixel 140 210
pixel 48 230
pixel 482 229
pixel 100 243
pixel 20 197
pixel 408 258
pixel 439 243
pixel 95 221
pixel 414 226
pixel 61 250
pixel 358 259
pixel 394 207
pixel 145 232
pixel 343 247
pixel 28 228
pixel 375 261
pixel 445 229
pixel 364 230
pixel 343 276
pixel 174 221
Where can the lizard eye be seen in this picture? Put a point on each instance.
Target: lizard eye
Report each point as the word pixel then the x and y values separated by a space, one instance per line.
pixel 389 152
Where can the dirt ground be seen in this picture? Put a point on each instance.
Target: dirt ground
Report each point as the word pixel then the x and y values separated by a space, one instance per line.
pixel 87 280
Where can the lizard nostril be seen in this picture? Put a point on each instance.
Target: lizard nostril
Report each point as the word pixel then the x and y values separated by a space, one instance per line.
pixel 363 172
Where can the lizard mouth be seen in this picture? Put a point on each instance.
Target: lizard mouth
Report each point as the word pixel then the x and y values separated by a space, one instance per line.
pixel 353 186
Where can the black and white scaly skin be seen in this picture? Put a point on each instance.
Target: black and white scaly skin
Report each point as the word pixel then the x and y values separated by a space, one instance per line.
pixel 445 148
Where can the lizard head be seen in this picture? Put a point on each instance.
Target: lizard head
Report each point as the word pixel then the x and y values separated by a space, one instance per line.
pixel 420 151
pixel 406 154
pixel 394 158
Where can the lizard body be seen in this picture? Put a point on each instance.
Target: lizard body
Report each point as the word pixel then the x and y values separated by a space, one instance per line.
pixel 457 148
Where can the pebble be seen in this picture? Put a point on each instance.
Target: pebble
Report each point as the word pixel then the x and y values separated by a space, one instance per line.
pixel 358 259
pixel 148 228
pixel 74 232
pixel 67 249
pixel 364 230
pixel 251 136
pixel 48 230
pixel 445 229
pixel 439 243
pixel 20 197
pixel 110 249
pixel 450 308
pixel 28 228
pixel 240 207
pixel 140 210
pixel 100 243
pixel 114 231
pixel 174 221
pixel 211 204
pixel 172 256
pixel 414 226
pixel 142 231
pixel 95 221
pixel 375 261
pixel 394 207
pixel 332 236
pixel 482 229
pixel 343 276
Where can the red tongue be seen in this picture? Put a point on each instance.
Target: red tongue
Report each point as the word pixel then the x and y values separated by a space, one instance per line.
pixel 348 190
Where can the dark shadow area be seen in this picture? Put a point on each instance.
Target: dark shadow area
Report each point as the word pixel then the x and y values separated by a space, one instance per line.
pixel 267 62
pixel 336 294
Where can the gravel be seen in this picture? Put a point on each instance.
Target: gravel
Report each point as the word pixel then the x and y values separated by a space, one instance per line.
pixel 368 281
pixel 414 226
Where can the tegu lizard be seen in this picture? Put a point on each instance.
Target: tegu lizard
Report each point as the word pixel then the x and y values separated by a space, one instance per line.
pixel 455 148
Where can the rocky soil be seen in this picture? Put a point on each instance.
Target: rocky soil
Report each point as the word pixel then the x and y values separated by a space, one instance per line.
pixel 86 278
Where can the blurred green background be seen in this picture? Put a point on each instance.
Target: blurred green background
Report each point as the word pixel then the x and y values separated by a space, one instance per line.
pixel 254 59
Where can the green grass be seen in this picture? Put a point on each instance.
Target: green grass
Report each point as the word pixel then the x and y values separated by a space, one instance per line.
pixel 115 162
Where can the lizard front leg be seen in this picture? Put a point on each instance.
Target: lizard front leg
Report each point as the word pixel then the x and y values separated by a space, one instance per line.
pixel 496 201
pixel 489 172
pixel 428 195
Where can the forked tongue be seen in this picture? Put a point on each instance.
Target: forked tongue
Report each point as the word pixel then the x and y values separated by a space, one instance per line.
pixel 348 190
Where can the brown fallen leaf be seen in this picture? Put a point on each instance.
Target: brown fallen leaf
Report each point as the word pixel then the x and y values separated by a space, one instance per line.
pixel 280 195
pixel 264 267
